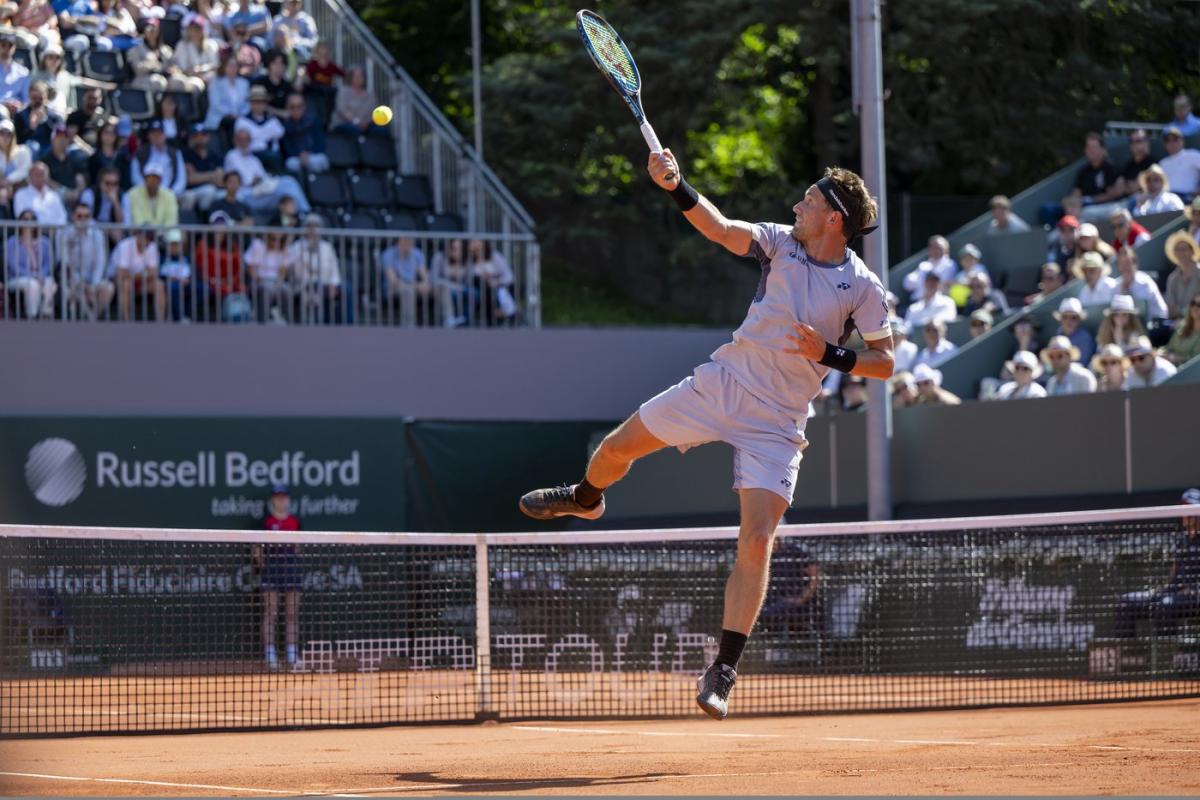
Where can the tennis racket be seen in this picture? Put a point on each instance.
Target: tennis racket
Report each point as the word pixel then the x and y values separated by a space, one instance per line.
pixel 612 58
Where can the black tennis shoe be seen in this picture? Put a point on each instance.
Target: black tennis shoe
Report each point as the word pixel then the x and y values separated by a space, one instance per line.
pixel 558 502
pixel 714 686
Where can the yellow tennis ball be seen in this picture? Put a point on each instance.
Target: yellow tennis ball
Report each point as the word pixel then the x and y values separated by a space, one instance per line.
pixel 381 116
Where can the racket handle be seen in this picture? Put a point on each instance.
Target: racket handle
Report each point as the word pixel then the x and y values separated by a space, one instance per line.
pixel 651 137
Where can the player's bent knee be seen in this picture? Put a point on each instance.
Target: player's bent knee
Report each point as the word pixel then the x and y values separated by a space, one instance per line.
pixel 754 544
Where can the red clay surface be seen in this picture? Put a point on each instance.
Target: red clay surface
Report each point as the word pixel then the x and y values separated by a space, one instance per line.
pixel 1132 748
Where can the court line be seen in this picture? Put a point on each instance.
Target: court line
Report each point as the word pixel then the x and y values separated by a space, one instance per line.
pixel 619 732
pixel 151 783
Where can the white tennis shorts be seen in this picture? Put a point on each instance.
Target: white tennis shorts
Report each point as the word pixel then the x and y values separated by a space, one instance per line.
pixel 710 406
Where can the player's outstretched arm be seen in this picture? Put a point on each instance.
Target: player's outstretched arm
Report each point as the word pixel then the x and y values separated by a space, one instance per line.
pixel 732 234
pixel 877 361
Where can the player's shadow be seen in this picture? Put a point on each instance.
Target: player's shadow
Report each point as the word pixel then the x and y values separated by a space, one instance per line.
pixel 471 785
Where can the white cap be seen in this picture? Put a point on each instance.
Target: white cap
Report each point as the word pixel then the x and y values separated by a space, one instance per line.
pixel 1088 229
pixel 924 372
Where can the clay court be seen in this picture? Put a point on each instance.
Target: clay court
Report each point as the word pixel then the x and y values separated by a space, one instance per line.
pixel 1132 748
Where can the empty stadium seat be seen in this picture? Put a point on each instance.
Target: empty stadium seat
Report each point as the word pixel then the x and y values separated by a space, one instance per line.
pixel 377 152
pixel 412 192
pixel 188 216
pixel 369 190
pixel 103 65
pixel 449 223
pixel 187 106
pixel 342 150
pixel 361 220
pixel 327 190
pixel 398 220
pixel 170 30
pixel 24 57
pixel 137 104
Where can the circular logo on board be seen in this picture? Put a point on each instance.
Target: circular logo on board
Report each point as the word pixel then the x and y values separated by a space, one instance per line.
pixel 55 471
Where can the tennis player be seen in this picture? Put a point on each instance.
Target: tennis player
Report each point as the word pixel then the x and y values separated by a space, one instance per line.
pixel 756 390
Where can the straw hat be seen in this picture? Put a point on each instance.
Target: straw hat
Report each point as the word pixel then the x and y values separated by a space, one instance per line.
pixel 1121 304
pixel 1139 346
pixel 924 372
pixel 1153 169
pixel 1190 210
pixel 1108 351
pixel 1090 260
pixel 1177 237
pixel 1070 305
pixel 1024 358
pixel 1059 344
pixel 1088 229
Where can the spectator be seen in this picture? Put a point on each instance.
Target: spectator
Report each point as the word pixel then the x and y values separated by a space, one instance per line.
pixel 352 110
pixel 1098 288
pixel 1098 182
pixel 1183 283
pixel 281 42
pixel 933 305
pixel 1087 240
pixel 1003 218
pixel 1128 233
pixel 228 97
pixel 280 572
pixel 406 281
pixel 1147 369
pixel 260 191
pixel 1179 598
pixel 274 81
pixel 253 19
pixel 247 53
pixel 938 262
pixel 77 24
pixel 198 56
pixel 37 121
pixel 318 273
pixel 904 390
pixel 205 173
pixel 176 272
pixel 983 297
pixel 67 168
pixel 38 197
pixel 1070 316
pixel 86 121
pixel 1139 161
pixel 1051 281
pixel 83 257
pixel 173 126
pixel 236 212
pixel 451 277
pixel 1062 250
pixel 37 20
pixel 1067 375
pixel 134 264
pixel 1139 285
pixel 118 30
pixel 1024 332
pixel 969 263
pixel 795 598
pixel 151 203
pixel 1181 165
pixel 1156 196
pixel 981 322
pixel 104 198
pixel 163 154
pixel 1187 122
pixel 1025 371
pixel 929 387
pixel 148 60
pixel 264 128
pixel 30 267
pixel 303 139
pixel 15 160
pixel 1185 341
pixel 286 216
pixel 219 271
pixel 60 83
pixel 268 263
pixel 214 12
pixel 493 280
pixel 1111 367
pixel 904 352
pixel 14 76
pixel 321 73
pixel 1192 212
pixel 937 347
pixel 108 152
pixel 853 389
pixel 301 25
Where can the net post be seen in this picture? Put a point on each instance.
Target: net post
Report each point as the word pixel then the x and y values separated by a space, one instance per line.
pixel 483 632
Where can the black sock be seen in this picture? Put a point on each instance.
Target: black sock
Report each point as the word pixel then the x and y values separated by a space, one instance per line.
pixel 732 644
pixel 586 494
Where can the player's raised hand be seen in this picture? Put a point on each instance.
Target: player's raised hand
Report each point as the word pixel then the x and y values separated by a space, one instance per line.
pixel 809 343
pixel 664 169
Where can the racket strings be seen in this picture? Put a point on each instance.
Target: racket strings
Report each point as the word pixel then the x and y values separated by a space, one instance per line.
pixel 605 43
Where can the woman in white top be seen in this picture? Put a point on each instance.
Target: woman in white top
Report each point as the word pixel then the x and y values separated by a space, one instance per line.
pixel 493 280
pixel 118 31
pixel 1098 288
pixel 1156 192
pixel 61 82
pixel 1025 370
pixel 268 262
pixel 228 95
pixel 1139 285
pixel 15 160
pixel 197 57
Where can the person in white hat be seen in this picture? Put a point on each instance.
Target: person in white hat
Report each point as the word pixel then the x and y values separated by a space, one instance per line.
pixel 1122 324
pixel 1184 281
pixel 1070 316
pixel 970 263
pixel 1067 375
pixel 15 161
pixel 1148 369
pixel 1110 366
pixel 1098 288
pixel 1179 599
pixel 929 387
pixel 1087 240
pixel 1025 370
pixel 1138 285
pixel 1157 196
pixel 904 390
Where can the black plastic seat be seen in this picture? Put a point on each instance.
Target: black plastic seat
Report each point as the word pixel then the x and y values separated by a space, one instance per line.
pixel 170 30
pixel 400 220
pixel 446 223
pixel 103 65
pixel 361 220
pixel 327 190
pixel 342 150
pixel 412 192
pixel 369 190
pixel 377 152
pixel 137 104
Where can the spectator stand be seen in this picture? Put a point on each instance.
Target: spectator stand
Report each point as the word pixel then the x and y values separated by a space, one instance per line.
pixel 1189 372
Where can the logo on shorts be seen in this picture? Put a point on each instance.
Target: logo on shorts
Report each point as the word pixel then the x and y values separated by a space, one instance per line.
pixel 843 286
pixel 55 472
pixel 786 482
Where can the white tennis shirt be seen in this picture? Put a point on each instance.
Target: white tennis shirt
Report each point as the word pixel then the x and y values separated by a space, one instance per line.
pixel 832 298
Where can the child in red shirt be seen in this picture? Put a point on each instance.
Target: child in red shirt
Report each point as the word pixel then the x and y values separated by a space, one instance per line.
pixel 281 571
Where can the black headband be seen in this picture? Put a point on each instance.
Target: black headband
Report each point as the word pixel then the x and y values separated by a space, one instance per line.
pixel 834 198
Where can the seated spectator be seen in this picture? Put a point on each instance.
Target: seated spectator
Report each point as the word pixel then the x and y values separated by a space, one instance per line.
pixel 1192 212
pixel 1062 249
pixel 1003 218
pixel 45 203
pixel 1070 316
pixel 795 601
pixel 406 282
pixel 1025 371
pixel 15 160
pixel 176 273
pixel 1024 332
pixel 303 138
pixel 300 23
pixel 228 97
pixel 66 166
pixel 264 128
pixel 83 258
pixel 1098 182
pixel 1185 341
pixel 353 107
pixel 30 267
pixel 251 18
pixel 104 199
pixel 77 24
pixel 198 56
pixel 281 42
pixel 1111 367
pixel 1051 281
pixel 981 322
pixel 86 121
pixel 1067 375
pixel 117 29
pixel 60 83
pixel 1098 288
pixel 268 263
pixel 493 280
pixel 151 203
pixel 1156 196
pixel 260 191
pixel 938 262
pixel 1187 122
pixel 173 125
pixel 937 347
pixel 37 121
pixel 1181 165
pixel 14 76
pixel 245 52
pixel 1138 285
pixel 276 84
pixel 1128 234
pixel 108 152
pixel 452 278
pixel 1183 284
pixel 214 12
pixel 37 24
pixel 321 74
pixel 148 60
pixel 1178 600
pixel 969 263
pixel 318 273
pixel 1139 161
pixel 929 387
pixel 904 352
pixel 933 305
pixel 134 266
pixel 1087 240
pixel 205 173
pixel 904 390
pixel 219 271
pixel 235 211
pixel 286 216
pixel 983 297
pixel 1146 368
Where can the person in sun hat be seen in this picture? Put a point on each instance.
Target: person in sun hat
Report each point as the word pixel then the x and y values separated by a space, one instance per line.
pixel 1067 375
pixel 1121 324
pixel 1179 598
pixel 1148 369
pixel 1070 316
pixel 1156 196
pixel 280 572
pixel 1110 366
pixel 1025 370
pixel 929 387
pixel 1192 212
pixel 1098 286
pixel 1184 281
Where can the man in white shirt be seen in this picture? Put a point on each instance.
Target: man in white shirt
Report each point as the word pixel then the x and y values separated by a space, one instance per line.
pixel 265 129
pixel 1181 165
pixel 1098 288
pixel 1138 284
pixel 1148 369
pixel 40 198
pixel 1067 376
pixel 937 347
pixel 14 76
pixel 934 306
pixel 134 264
pixel 939 261
pixel 904 350
pixel 317 272
pixel 260 191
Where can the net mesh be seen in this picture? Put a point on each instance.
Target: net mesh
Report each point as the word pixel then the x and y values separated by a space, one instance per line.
pixel 181 630
pixel 610 52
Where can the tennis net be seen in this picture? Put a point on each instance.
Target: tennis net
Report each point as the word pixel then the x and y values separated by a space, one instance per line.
pixel 112 630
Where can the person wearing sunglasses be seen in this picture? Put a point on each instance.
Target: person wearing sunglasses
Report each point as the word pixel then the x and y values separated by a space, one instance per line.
pixel 1140 160
pixel 1181 164
pixel 1185 341
pixel 1148 369
pixel 1156 195
pixel 1110 366
pixel 1025 371
pixel 1183 284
